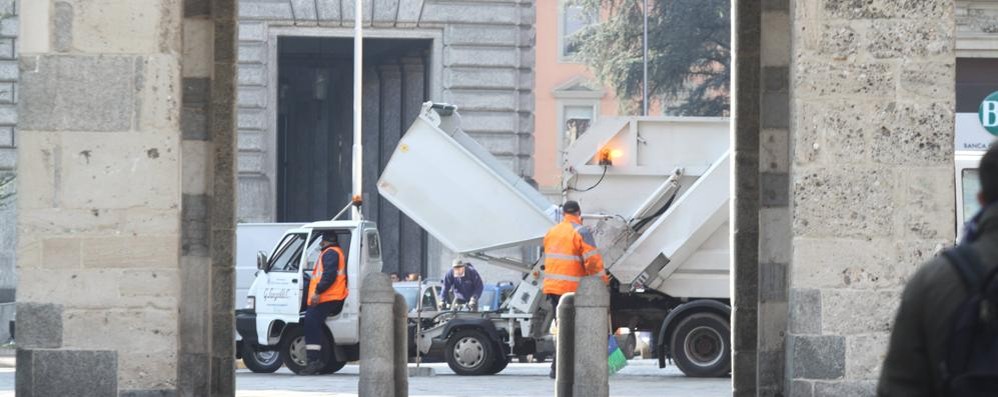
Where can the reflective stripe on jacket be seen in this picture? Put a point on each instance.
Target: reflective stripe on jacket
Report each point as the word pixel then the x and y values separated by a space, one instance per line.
pixel 338 290
pixel 570 254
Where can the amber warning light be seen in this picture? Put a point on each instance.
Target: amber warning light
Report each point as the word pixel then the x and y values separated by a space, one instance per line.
pixel 607 155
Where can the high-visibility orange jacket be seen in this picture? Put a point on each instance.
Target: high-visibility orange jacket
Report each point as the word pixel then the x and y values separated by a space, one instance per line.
pixel 331 285
pixel 569 255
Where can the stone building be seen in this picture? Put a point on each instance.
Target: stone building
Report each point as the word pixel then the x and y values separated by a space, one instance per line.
pixel 127 143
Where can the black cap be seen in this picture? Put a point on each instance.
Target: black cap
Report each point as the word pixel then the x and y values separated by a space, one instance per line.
pixel 571 207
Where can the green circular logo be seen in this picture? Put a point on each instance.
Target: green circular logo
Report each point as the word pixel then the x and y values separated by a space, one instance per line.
pixel 988 113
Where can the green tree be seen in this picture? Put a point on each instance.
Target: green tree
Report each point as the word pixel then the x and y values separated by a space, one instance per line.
pixel 689 53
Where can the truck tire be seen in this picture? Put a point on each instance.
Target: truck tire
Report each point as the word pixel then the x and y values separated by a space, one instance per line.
pixel 499 364
pixel 470 352
pixel 293 350
pixel 701 346
pixel 260 361
pixel 332 366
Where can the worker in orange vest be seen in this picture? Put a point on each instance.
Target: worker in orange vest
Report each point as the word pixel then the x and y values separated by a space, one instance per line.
pixel 326 293
pixel 570 254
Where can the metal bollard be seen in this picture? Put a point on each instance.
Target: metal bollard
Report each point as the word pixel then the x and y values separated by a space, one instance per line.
pixel 564 376
pixel 377 348
pixel 399 320
pixel 591 372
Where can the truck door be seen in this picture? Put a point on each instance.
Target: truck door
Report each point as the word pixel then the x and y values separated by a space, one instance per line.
pixel 282 293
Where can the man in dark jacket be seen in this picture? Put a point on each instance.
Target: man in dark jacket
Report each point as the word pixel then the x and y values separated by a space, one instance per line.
pixel 465 282
pixel 918 344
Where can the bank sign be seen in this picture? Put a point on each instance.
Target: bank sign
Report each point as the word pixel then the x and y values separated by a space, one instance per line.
pixel 974 132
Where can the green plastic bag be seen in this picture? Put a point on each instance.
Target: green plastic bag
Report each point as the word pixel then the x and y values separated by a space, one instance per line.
pixel 615 358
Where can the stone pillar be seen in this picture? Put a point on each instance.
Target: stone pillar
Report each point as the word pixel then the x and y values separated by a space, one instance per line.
pixel 8 161
pixel 591 375
pixel 400 323
pixel 565 359
pixel 377 347
pixel 872 96
pixel 102 206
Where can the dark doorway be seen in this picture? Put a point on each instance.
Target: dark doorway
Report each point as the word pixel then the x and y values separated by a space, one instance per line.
pixel 315 132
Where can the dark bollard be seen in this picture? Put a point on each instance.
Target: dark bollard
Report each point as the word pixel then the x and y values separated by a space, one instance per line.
pixel 400 317
pixel 591 373
pixel 564 373
pixel 377 347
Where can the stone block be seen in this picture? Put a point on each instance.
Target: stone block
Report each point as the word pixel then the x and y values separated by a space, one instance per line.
pixel 101 287
pixel 817 357
pixel 6 48
pixel 488 122
pixel 250 140
pixel 265 10
pixel 864 355
pixel 853 312
pixel 196 8
pixel 10 71
pixel 837 40
pixel 805 311
pixel 775 110
pixel 831 131
pixel 775 235
pixel 491 56
pixel 252 31
pixel 915 134
pixel 252 120
pixel 9 26
pixel 147 164
pixel 89 222
pixel 926 79
pixel 329 13
pixel 408 13
pixel 194 323
pixel 801 388
pixel 149 283
pixel 192 380
pixel 772 282
pixel 62 35
pixel 39 325
pixel 927 210
pixel 385 11
pixel 196 167
pixel 7 7
pixel 196 91
pixel 743 374
pixel 849 263
pixel 194 123
pixel 824 79
pixel 47 372
pixel 775 38
pixel 470 13
pixel 877 9
pixel 771 368
pixel 776 78
pixel 255 75
pixel 479 78
pixel 844 201
pixel 255 98
pixel 158 92
pixel 745 318
pixel 198 47
pixel 773 326
pixel 845 388
pixel 774 189
pixel 7 94
pixel 116 26
pixel 148 393
pixel 130 251
pixel 253 53
pixel 59 95
pixel 61 253
pixel 910 38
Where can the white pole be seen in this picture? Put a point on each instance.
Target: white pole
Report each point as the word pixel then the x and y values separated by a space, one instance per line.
pixel 358 77
pixel 644 81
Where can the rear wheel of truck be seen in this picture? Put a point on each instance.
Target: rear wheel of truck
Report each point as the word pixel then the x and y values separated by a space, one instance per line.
pixel 470 352
pixel 701 346
pixel 260 361
pixel 294 353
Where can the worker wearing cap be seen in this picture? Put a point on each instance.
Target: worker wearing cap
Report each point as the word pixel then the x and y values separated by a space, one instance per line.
pixel 326 293
pixel 570 254
pixel 465 282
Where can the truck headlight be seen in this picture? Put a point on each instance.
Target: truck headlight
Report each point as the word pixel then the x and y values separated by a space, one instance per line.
pixel 251 302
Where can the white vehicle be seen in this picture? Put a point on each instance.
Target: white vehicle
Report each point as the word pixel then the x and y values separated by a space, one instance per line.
pixel 271 321
pixel 655 191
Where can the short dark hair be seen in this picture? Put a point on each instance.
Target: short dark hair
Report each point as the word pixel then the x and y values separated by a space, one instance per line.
pixel 571 207
pixel 988 173
pixel 330 237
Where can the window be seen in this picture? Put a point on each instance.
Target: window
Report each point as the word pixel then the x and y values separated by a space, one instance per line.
pixel 429 299
pixel 288 254
pixel 373 244
pixel 572 20
pixel 971 185
pixel 577 118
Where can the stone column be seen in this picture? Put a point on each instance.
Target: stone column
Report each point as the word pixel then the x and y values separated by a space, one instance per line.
pixel 377 347
pixel 400 334
pixel 102 209
pixel 565 357
pixel 872 96
pixel 591 375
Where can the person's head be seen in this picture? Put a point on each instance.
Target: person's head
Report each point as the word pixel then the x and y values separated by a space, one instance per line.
pixel 393 276
pixel 571 207
pixel 458 267
pixel 988 174
pixel 412 277
pixel 328 239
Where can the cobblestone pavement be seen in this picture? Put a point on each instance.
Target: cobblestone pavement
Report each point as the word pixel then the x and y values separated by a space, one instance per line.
pixel 640 378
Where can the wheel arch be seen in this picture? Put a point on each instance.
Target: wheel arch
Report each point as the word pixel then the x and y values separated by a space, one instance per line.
pixel 681 312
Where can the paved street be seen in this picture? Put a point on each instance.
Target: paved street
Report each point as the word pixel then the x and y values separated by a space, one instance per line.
pixel 640 378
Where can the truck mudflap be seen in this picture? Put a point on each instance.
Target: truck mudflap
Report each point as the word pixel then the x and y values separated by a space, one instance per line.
pixel 246 326
pixel 708 305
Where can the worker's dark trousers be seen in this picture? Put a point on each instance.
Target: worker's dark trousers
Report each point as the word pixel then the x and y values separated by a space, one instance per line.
pixel 315 320
pixel 554 299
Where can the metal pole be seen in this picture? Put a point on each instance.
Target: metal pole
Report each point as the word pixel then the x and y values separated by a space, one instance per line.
pixel 358 77
pixel 644 81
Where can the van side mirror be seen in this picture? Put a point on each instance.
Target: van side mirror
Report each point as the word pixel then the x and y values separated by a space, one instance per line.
pixel 261 261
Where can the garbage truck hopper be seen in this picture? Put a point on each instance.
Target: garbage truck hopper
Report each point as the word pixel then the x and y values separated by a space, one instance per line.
pixel 456 190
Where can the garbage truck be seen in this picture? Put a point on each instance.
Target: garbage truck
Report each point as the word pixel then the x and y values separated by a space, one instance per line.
pixel 655 193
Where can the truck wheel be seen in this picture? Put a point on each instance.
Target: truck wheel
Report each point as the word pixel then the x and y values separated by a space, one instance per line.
pixel 332 366
pixel 701 346
pixel 293 350
pixel 498 365
pixel 470 352
pixel 260 361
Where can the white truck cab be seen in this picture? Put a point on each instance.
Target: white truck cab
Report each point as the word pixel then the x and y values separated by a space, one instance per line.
pixel 275 303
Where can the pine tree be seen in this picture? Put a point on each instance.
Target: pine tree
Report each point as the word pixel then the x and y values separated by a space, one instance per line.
pixel 689 53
